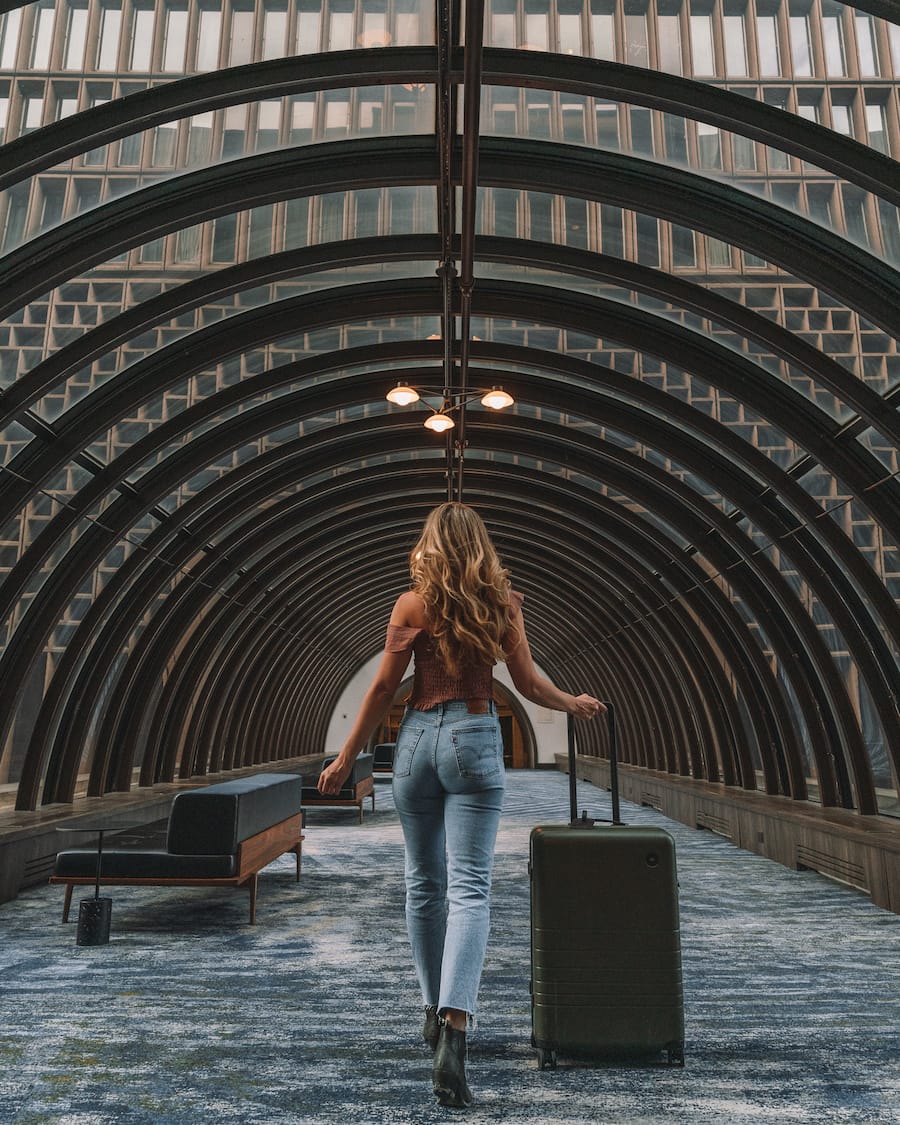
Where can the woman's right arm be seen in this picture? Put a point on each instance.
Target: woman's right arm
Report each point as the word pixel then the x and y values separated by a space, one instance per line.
pixel 537 688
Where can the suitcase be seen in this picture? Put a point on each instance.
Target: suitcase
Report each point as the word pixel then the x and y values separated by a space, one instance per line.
pixel 605 941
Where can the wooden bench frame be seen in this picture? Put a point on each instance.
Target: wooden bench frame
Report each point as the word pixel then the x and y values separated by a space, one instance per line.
pixel 253 854
pixel 362 789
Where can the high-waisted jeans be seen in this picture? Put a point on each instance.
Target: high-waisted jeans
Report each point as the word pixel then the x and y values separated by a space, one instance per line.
pixel 448 791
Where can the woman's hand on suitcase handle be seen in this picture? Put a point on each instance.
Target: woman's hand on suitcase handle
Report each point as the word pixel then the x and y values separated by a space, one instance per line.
pixel 586 707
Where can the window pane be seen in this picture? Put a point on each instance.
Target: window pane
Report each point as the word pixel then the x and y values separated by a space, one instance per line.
pixel 603 30
pixel 636 43
pixel 801 57
pixel 274 32
pixel 702 56
pixel 176 39
pixel 503 24
pixel 537 25
pixel 110 26
pixel 612 240
pixel 209 32
pixel 833 36
pixel 866 46
pixel 570 41
pixel 607 125
pixel 308 23
pixel 735 46
pixel 142 39
pixel 647 240
pixel 767 37
pixel 224 238
pixel 240 45
pixel 719 253
pixel 709 143
pixel 684 251
pixel 876 125
pixel 340 29
pixel 76 31
pixel 670 44
pixel 42 41
pixel 9 38
pixel 842 119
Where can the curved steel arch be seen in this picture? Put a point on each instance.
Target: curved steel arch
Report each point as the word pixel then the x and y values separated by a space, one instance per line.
pixel 188 677
pixel 715 364
pixel 685 294
pixel 861 280
pixel 694 497
pixel 60 140
pixel 354 602
pixel 188 548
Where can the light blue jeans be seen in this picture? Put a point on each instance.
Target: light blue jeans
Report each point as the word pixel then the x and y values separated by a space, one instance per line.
pixel 448 791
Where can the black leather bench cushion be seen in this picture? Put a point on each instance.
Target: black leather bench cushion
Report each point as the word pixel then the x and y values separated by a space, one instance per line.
pixel 362 768
pixel 131 863
pixel 212 821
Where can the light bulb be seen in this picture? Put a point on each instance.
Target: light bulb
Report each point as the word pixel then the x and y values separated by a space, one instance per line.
pixel 402 395
pixel 497 399
pixel 439 422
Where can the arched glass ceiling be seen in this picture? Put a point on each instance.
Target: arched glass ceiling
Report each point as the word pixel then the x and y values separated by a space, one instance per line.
pixel 196 444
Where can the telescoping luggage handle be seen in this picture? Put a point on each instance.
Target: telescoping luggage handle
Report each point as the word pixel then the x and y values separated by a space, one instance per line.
pixel 584 821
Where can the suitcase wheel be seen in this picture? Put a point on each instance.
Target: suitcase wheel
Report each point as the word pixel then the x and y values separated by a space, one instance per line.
pixel 675 1052
pixel 546 1059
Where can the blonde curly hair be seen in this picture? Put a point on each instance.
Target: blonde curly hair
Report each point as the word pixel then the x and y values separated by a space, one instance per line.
pixel 456 571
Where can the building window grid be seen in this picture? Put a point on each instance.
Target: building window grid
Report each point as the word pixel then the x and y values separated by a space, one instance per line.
pixel 849 37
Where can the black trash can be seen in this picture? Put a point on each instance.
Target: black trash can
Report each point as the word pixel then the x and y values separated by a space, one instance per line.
pixel 94 916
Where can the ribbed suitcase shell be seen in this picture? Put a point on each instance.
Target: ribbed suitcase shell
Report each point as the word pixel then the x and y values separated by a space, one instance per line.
pixel 605 941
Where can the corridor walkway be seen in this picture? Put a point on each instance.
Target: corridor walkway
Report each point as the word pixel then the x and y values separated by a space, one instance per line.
pixel 792 988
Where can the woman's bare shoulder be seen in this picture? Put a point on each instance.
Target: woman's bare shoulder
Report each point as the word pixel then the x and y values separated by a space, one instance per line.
pixel 409 609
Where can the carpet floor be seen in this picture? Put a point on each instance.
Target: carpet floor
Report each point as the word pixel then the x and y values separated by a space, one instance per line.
pixel 190 1016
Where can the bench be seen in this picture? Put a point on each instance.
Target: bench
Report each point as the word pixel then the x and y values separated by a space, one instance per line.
pixel 383 757
pixel 217 836
pixel 355 789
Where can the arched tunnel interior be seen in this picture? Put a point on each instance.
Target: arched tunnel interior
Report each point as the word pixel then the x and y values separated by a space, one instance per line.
pixel 214 270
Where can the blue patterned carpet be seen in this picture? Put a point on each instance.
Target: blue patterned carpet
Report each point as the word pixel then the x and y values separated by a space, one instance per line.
pixel 189 1015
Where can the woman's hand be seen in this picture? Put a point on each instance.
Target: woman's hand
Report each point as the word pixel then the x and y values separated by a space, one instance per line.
pixel 586 707
pixel 332 778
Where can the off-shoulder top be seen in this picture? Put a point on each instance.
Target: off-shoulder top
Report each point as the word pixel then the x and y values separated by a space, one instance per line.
pixel 432 681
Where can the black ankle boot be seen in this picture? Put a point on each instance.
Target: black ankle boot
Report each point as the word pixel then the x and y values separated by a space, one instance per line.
pixel 432 1028
pixel 449 1075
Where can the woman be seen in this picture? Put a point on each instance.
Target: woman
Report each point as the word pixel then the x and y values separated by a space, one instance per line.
pixel 459 619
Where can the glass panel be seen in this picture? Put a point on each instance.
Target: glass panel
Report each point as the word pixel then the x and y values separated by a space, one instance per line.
pixel 833 37
pixel 702 55
pixel 9 38
pixel 175 41
pixel 110 27
pixel 801 51
pixel 142 21
pixel 670 56
pixel 208 35
pixel 603 29
pixel 867 46
pixel 768 45
pixel 76 33
pixel 735 46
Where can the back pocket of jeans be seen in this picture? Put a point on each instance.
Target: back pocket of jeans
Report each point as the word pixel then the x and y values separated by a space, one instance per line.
pixel 477 748
pixel 408 739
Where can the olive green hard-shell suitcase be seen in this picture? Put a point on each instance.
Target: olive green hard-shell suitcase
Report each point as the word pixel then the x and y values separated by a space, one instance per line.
pixel 605 939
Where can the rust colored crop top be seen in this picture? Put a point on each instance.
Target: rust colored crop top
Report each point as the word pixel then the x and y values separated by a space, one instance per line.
pixel 432 682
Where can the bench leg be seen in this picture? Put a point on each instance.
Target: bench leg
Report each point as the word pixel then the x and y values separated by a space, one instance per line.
pixel 253 884
pixel 67 902
pixel 360 812
pixel 298 852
